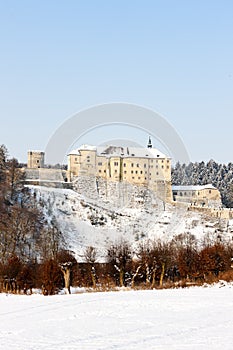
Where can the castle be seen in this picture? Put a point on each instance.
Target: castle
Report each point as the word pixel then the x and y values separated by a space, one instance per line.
pixel 146 167
pixel 138 166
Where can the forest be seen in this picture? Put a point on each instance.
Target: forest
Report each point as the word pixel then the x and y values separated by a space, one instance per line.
pixel 33 253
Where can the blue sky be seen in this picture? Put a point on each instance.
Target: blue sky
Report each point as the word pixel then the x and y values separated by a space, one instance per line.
pixel 175 57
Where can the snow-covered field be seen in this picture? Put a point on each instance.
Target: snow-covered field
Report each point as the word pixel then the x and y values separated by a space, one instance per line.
pixel 194 318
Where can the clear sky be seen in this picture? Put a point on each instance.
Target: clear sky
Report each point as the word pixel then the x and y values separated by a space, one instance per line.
pixel 173 56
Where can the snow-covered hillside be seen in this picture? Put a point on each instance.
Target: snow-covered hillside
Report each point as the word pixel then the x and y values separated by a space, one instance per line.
pixel 193 318
pixel 103 213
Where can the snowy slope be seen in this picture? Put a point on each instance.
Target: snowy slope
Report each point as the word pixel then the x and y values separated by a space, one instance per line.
pixel 100 218
pixel 194 318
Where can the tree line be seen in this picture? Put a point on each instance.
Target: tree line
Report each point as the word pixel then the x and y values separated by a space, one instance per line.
pixel 156 264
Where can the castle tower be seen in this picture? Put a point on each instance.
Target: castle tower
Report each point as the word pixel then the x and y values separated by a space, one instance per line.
pixel 149 143
pixel 35 159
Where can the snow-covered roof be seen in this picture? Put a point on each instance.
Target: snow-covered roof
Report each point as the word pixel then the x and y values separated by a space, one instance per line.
pixel 193 187
pixel 83 148
pixel 125 152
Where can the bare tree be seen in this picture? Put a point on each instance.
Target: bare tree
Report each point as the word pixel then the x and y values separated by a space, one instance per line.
pixel 119 255
pixel 90 257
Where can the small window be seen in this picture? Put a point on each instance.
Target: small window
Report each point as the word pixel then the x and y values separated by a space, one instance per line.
pixel 115 170
pixel 144 165
pixel 168 167
pixel 133 177
pixel 124 164
pixel 100 163
pixel 131 171
pixel 136 172
pixel 132 165
pixel 162 166
pixel 104 171
pixel 141 172
pixel 157 173
pixel 125 172
pixel 38 161
pixel 76 159
pixel 145 178
pixel 115 163
pixel 100 171
pixel 209 191
pixel 139 178
pixel 137 165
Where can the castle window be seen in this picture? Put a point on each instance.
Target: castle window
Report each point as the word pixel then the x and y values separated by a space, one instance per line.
pixel 145 172
pixel 100 163
pixel 132 165
pixel 145 178
pixel 38 161
pixel 137 165
pixel 141 172
pixel 139 178
pixel 157 166
pixel 167 160
pixel 75 159
pixel 99 171
pixel 131 171
pixel 209 191
pixel 116 171
pixel 157 173
pixel 136 172
pixel 124 164
pixel 168 167
pixel 115 163
pixel 144 165
pixel 162 166
pixel 133 177
pixel 104 171
pixel 88 160
pixel 125 172
pixel 162 160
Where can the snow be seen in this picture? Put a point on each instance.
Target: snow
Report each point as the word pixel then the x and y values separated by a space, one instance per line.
pixel 193 187
pixel 118 214
pixel 193 318
pixel 124 152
